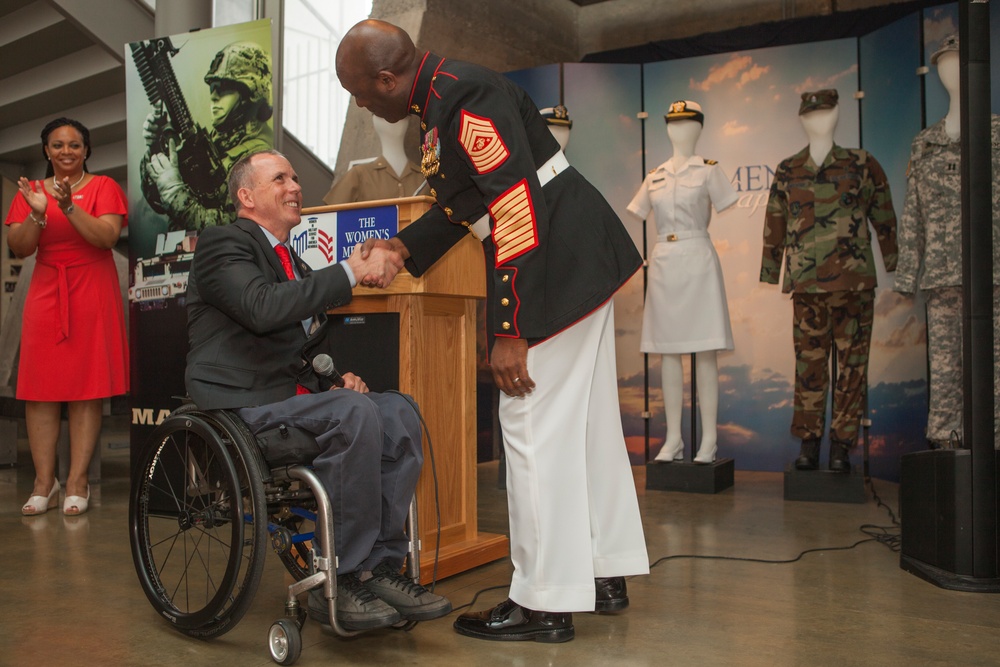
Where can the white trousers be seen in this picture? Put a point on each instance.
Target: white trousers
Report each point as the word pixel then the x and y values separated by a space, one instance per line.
pixel 573 510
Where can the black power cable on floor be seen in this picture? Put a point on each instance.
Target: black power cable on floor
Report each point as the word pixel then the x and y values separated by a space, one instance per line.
pixel 885 535
pixel 476 596
pixel 762 560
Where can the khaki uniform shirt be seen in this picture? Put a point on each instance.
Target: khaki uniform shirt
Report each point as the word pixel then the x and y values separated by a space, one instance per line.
pixel 376 180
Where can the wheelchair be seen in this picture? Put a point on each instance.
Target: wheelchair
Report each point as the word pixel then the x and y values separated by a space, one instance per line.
pixel 203 506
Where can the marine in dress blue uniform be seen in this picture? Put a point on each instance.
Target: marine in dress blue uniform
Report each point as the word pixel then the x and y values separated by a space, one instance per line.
pixel 555 255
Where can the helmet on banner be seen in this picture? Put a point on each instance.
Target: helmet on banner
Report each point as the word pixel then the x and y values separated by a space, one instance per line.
pixel 247 66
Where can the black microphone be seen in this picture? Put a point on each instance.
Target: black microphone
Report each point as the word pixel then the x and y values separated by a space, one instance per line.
pixel 323 365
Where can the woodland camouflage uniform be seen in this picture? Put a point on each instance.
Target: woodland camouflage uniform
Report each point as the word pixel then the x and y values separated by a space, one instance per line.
pixel 817 218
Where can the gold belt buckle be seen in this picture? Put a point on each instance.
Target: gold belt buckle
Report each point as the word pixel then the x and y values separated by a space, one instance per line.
pixel 671 237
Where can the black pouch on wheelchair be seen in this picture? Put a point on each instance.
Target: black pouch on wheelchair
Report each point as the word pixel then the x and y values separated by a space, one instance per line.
pixel 287 445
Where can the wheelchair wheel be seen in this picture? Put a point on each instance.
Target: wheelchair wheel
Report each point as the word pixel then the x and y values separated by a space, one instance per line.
pixel 198 521
pixel 284 641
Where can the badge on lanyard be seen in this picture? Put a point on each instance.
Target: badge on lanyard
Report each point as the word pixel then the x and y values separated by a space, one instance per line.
pixel 431 150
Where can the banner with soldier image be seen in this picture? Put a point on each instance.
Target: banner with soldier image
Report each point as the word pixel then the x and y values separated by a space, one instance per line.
pixel 196 103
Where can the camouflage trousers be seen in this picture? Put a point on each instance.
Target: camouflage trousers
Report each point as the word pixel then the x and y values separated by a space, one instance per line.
pixel 842 320
pixel 944 354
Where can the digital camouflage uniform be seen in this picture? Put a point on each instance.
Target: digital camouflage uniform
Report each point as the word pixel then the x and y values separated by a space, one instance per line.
pixel 244 130
pixel 930 260
pixel 818 219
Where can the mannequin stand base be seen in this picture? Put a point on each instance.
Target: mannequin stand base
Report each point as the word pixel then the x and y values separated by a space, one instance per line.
pixel 823 486
pixel 690 477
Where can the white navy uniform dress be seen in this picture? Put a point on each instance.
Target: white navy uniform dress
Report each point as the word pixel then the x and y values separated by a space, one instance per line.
pixel 686 309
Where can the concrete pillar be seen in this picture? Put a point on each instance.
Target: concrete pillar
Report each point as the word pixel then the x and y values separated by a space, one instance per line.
pixel 177 16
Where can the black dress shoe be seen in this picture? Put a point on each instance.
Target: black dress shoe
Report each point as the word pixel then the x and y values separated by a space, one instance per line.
pixel 611 594
pixel 808 455
pixel 510 622
pixel 840 461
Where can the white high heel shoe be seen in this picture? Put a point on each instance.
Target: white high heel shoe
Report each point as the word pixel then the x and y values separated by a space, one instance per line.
pixel 79 502
pixel 706 453
pixel 41 504
pixel 668 454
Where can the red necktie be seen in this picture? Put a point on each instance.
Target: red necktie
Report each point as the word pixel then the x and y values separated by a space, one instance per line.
pixel 286 263
pixel 286 260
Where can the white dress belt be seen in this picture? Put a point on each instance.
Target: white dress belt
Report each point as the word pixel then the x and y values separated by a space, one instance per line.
pixel 682 235
pixel 552 168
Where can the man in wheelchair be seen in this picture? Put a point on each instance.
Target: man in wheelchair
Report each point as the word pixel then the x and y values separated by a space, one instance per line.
pixel 256 312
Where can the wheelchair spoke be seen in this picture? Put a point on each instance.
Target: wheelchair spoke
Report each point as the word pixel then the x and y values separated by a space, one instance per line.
pixel 195 512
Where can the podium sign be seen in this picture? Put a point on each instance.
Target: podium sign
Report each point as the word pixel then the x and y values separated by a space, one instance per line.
pixel 326 238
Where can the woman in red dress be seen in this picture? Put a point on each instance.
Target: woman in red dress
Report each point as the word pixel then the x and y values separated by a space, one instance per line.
pixel 73 342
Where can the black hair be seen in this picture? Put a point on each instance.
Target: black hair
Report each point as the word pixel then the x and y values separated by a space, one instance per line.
pixel 55 125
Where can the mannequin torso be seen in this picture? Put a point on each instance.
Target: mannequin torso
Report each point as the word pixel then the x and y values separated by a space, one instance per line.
pixel 391 135
pixel 388 176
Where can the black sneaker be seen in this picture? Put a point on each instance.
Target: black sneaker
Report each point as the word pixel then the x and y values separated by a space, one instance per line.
pixel 357 607
pixel 411 600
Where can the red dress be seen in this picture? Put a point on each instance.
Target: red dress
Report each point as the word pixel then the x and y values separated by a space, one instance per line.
pixel 73 341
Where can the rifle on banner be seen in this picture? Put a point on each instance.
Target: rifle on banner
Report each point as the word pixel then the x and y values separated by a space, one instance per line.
pixel 197 157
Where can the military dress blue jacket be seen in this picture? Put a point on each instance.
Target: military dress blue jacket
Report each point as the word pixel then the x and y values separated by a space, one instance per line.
pixel 555 253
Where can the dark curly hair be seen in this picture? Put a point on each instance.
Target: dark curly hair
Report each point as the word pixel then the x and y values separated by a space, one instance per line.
pixel 55 125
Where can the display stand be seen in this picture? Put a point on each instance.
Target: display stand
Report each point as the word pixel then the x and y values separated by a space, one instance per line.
pixel 684 475
pixel 690 477
pixel 824 486
pixel 437 367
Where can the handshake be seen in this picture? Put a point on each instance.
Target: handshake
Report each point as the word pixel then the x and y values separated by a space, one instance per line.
pixel 377 261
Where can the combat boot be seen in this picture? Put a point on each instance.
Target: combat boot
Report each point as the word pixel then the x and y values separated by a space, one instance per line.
pixel 808 455
pixel 840 461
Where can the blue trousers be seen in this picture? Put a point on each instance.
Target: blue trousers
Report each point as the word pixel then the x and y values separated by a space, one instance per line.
pixel 369 462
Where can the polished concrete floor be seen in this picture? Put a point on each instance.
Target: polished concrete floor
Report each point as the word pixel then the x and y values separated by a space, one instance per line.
pixel 69 594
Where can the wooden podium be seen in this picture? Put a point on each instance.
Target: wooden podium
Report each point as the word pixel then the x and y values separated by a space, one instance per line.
pixel 437 366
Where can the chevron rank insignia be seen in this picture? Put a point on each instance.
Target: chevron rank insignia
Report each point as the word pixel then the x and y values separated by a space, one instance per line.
pixel 482 142
pixel 516 230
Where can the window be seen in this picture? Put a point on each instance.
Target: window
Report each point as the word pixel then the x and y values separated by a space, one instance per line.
pixel 315 105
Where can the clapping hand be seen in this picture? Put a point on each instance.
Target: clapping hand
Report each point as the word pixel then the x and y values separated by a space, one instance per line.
pixel 34 193
pixel 62 192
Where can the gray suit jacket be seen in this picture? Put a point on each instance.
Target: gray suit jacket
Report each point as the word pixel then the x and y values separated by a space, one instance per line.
pixel 247 344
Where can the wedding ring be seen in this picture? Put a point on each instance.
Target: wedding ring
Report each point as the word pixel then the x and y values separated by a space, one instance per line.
pixel 516 380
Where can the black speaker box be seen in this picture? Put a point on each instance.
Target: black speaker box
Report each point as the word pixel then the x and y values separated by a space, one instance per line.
pixel 366 344
pixel 935 507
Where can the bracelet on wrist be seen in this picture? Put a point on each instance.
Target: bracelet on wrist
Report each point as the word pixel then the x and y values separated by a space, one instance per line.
pixel 41 223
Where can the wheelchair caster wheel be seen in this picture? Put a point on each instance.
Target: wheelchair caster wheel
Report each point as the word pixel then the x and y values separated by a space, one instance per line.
pixel 284 641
